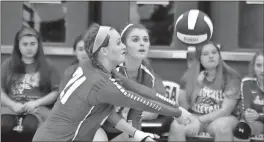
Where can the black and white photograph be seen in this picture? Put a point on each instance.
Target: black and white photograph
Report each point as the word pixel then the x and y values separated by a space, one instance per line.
pixel 141 70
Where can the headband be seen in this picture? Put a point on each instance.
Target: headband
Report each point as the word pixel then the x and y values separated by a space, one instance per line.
pixel 129 25
pixel 27 31
pixel 100 37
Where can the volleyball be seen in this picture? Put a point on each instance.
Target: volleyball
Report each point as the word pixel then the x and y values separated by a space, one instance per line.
pixel 193 27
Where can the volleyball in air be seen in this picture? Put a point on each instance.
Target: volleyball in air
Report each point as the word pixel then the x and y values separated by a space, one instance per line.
pixel 193 27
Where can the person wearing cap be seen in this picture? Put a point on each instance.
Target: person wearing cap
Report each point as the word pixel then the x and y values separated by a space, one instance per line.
pixel 252 104
pixel 94 89
pixel 29 85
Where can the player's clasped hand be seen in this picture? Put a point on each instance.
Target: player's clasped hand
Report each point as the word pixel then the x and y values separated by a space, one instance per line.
pixel 140 135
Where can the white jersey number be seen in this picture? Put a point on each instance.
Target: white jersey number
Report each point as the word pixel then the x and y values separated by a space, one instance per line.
pixel 76 80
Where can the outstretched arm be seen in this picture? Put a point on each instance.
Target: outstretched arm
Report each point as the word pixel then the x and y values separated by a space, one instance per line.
pixel 113 93
pixel 123 126
pixel 143 90
pixel 119 123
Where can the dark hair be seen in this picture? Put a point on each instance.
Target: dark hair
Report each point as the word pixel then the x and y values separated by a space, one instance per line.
pixel 251 69
pixel 129 29
pixel 89 39
pixel 17 66
pixel 76 41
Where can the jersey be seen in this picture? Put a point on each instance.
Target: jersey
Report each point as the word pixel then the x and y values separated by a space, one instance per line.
pixel 68 73
pixel 210 99
pixel 86 101
pixel 253 97
pixel 26 87
pixel 145 77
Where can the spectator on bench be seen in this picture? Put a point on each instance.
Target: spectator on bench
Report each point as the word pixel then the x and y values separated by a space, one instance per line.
pixel 252 91
pixel 210 90
pixel 28 86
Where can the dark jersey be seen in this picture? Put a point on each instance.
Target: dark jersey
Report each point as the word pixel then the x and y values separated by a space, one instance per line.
pixel 86 101
pixel 145 77
pixel 210 99
pixel 253 97
pixel 26 86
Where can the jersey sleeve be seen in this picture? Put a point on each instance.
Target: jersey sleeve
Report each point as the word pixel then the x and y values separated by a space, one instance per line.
pixel 113 93
pixel 144 91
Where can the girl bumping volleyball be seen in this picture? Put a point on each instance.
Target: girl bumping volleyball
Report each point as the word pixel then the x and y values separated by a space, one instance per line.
pixel 91 92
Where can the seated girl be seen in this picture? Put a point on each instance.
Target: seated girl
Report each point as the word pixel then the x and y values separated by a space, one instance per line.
pixel 252 91
pixel 28 86
pixel 210 90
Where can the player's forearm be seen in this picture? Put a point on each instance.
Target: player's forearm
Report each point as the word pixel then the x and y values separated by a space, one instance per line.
pixel 114 118
pixel 135 116
pixel 147 92
pixel 123 126
pixel 123 98
pixel 120 124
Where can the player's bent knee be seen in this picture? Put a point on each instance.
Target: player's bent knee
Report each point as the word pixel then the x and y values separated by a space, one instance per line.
pixel 100 135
